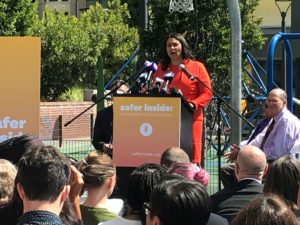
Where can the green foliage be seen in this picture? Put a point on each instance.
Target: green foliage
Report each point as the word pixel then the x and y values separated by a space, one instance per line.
pixel 207 30
pixel 134 10
pixel 110 34
pixel 73 94
pixel 71 47
pixel 17 17
pixel 64 53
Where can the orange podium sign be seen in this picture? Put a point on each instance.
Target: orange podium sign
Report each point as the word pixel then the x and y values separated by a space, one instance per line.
pixel 144 126
pixel 20 86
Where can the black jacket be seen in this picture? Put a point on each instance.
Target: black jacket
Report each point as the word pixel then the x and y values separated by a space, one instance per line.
pixel 230 200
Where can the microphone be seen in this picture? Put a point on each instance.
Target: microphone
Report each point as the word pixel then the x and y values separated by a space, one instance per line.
pixel 151 66
pixel 143 76
pixel 175 91
pixel 151 69
pixel 296 101
pixel 250 98
pixel 157 85
pixel 168 77
pixel 187 73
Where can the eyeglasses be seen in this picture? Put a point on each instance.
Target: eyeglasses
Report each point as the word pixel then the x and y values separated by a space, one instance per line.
pixel 147 208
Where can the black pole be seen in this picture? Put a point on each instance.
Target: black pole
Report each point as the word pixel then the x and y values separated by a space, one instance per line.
pixel 283 30
pixel 219 132
pixel 223 101
pixel 60 131
pixel 134 77
pixel 283 59
pixel 143 15
pixel 143 23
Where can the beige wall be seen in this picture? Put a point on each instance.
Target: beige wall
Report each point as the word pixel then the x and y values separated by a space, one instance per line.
pixel 68 6
pixel 271 15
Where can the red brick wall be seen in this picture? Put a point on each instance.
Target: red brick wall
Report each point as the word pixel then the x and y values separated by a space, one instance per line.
pixel 78 129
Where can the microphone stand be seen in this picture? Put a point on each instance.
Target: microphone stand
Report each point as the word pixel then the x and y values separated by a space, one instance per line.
pixel 226 103
pixel 219 132
pixel 113 90
pixel 220 100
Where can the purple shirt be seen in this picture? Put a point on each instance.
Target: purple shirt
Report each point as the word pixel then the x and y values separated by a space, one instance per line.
pixel 282 137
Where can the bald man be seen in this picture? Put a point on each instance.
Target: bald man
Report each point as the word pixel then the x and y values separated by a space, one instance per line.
pixel 251 165
pixel 284 132
pixel 276 140
pixel 174 155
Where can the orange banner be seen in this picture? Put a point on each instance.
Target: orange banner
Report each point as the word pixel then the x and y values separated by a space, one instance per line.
pixel 20 86
pixel 143 128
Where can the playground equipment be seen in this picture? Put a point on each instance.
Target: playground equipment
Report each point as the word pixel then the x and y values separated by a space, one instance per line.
pixel 257 74
pixel 285 37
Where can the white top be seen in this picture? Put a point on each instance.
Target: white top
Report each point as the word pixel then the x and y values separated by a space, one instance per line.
pixel 114 205
pixel 121 221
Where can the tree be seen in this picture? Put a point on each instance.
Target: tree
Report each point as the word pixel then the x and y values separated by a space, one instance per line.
pixel 108 27
pixel 65 53
pixel 207 29
pixel 17 17
pixel 71 47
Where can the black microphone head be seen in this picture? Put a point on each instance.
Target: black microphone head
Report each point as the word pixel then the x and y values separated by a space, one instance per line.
pixel 143 77
pixel 157 85
pixel 174 91
pixel 251 98
pixel 155 90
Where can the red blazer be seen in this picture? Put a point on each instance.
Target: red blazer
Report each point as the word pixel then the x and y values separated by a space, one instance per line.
pixel 193 91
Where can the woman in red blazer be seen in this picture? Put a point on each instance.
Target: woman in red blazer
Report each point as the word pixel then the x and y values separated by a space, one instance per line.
pixel 176 51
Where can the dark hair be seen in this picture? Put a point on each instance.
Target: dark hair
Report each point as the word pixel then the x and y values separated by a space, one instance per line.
pixel 177 200
pixel 186 51
pixel 96 168
pixel 265 210
pixel 68 215
pixel 11 212
pixel 282 178
pixel 141 183
pixel 118 83
pixel 43 172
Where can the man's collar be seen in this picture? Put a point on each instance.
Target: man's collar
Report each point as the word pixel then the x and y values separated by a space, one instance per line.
pixel 279 115
pixel 248 178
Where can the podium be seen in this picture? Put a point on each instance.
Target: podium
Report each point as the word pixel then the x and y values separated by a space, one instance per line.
pixel 146 125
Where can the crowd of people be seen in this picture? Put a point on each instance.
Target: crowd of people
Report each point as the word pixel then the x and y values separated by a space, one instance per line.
pixel 261 184
pixel 46 187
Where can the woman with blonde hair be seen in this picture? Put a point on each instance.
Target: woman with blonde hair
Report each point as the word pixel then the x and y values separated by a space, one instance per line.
pixel 7 178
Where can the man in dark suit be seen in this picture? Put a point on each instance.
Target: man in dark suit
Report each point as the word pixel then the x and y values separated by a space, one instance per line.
pixel 103 137
pixel 251 165
pixel 103 128
pixel 227 174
